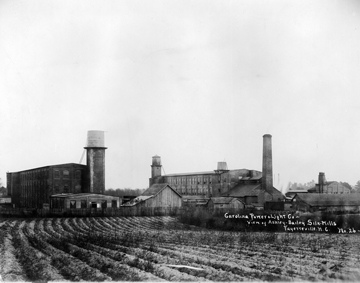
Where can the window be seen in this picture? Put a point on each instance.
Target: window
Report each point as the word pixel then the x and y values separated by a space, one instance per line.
pixel 56 174
pixel 114 203
pixel 56 189
pixel 66 188
pixel 83 203
pixel 66 174
pixel 104 204
pixel 78 174
pixel 73 204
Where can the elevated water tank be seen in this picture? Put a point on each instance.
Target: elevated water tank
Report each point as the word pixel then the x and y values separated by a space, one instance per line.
pixel 221 166
pixel 95 139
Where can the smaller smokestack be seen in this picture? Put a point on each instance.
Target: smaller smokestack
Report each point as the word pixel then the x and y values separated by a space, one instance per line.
pixel 322 182
pixel 267 171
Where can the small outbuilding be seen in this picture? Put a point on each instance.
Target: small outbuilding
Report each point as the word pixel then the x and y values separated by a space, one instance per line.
pixel 311 202
pixel 83 200
pixel 197 200
pixel 219 203
pixel 158 195
pixel 253 195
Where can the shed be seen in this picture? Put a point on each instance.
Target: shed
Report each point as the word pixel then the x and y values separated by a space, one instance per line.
pixel 83 200
pixel 158 195
pixel 291 193
pixel 253 194
pixel 195 200
pixel 326 202
pixel 216 203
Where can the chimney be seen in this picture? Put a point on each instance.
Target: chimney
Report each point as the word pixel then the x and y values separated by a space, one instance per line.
pixel 267 172
pixel 321 182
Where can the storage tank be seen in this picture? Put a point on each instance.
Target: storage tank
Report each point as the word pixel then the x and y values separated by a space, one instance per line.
pixel 95 139
pixel 95 161
pixel 156 166
pixel 222 166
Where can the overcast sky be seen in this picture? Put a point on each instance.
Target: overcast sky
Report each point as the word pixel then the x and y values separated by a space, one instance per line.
pixel 195 82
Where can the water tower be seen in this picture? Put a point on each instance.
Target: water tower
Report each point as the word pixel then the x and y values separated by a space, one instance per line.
pixel 95 161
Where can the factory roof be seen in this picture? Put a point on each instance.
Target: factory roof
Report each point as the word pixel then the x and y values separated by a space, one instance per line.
pixel 192 173
pixel 47 166
pixel 250 178
pixel 157 188
pixel 258 177
pixel 242 190
pixel 314 199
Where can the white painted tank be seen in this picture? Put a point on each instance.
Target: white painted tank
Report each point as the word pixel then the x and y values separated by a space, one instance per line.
pixel 222 165
pixel 95 139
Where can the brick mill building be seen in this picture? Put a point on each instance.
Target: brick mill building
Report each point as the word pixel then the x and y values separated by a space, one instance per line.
pixel 32 188
pixel 249 186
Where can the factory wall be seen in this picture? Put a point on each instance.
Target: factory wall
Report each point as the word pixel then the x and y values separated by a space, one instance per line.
pixel 32 188
pixel 210 184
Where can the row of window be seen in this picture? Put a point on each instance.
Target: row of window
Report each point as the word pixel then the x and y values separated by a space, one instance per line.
pixel 31 197
pixel 66 174
pixel 33 175
pixel 66 189
pixel 179 181
pixel 192 191
pixel 83 204
pixel 33 183
pixel 192 180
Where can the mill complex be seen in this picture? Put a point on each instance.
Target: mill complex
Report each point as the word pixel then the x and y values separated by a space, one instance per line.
pixel 39 187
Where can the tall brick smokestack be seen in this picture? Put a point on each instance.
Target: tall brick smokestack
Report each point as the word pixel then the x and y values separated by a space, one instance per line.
pixel 267 171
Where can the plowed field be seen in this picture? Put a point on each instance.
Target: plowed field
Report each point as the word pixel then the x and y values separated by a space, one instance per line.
pixel 162 249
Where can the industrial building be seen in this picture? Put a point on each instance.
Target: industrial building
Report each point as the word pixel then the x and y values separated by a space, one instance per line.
pixel 249 186
pixel 32 188
pixel 312 202
pixel 220 203
pixel 83 200
pixel 330 187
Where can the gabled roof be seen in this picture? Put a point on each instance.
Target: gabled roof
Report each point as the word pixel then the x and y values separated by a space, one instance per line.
pixel 242 190
pixel 297 191
pixel 250 178
pixel 55 165
pixel 222 200
pixel 157 188
pixel 149 193
pixel 136 200
pixel 246 190
pixel 313 199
